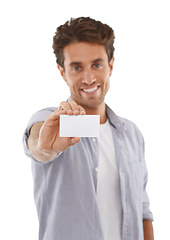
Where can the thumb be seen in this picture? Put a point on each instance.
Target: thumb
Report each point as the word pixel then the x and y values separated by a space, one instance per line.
pixel 74 140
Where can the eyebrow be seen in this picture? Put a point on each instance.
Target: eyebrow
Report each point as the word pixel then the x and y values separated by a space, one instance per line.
pixel 98 60
pixel 74 63
pixel 94 61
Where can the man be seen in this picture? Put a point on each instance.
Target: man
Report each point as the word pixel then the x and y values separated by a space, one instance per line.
pixel 88 188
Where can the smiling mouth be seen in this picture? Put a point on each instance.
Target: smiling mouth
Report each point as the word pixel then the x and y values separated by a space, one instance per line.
pixel 90 90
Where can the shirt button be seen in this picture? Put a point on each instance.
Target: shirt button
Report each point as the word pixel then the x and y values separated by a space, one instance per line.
pixel 94 139
pixel 97 169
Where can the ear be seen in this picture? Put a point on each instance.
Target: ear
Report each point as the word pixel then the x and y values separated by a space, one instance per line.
pixel 62 72
pixel 111 65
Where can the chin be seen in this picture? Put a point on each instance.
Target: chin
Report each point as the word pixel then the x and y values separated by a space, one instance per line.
pixel 92 103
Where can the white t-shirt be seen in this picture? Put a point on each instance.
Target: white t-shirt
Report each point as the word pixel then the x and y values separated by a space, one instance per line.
pixel 108 186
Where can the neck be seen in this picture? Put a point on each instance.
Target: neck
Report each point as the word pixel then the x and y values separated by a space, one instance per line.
pixel 100 110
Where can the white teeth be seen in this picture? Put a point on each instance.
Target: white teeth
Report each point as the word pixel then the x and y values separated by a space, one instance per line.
pixel 90 90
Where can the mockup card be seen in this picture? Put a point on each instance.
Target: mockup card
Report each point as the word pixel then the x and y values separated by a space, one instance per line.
pixel 79 126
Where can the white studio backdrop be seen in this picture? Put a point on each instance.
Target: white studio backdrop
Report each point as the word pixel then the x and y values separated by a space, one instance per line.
pixel 30 81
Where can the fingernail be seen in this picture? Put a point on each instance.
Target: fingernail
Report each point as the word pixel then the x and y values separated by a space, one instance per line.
pixel 69 111
pixel 76 111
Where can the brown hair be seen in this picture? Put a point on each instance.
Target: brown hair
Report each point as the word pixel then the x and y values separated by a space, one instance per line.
pixel 83 29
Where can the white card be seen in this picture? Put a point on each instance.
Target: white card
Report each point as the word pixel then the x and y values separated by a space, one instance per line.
pixel 79 126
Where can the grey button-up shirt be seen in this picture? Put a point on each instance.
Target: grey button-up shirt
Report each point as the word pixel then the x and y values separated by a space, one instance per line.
pixel 65 188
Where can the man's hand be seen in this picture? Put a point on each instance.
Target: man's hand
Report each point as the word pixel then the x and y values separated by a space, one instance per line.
pixel 44 141
pixel 49 139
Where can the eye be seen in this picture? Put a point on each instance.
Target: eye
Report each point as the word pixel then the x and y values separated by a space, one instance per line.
pixel 76 68
pixel 97 65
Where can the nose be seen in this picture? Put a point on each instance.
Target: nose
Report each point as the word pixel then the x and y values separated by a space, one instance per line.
pixel 88 78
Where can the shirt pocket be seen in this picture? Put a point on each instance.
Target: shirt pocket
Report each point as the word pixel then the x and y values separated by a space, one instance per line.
pixel 136 173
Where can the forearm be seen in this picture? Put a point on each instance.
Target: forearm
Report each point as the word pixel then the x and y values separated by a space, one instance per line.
pixel 148 230
pixel 39 154
pixel 36 151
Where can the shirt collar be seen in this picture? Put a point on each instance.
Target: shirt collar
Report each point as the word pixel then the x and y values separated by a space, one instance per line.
pixel 114 119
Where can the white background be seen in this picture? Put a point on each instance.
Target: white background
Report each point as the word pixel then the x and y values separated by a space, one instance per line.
pixel 30 81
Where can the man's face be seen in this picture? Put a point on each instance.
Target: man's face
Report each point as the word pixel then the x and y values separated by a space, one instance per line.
pixel 87 72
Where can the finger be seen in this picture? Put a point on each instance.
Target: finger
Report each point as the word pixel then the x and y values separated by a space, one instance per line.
pixel 77 109
pixel 74 107
pixel 82 110
pixel 65 106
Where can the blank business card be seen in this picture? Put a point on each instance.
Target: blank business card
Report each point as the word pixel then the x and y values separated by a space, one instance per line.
pixel 79 126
